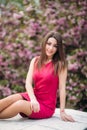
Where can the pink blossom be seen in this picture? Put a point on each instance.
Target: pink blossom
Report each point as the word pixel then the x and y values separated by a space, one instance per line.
pixel 2 33
pixel 1 58
pixel 66 35
pixel 73 67
pixel 31 32
pixel 31 43
pixel 47 12
pixel 15 22
pixel 19 15
pixel 61 21
pixel 13 55
pixel 82 54
pixel 29 8
pixel 82 13
pixel 72 98
pixel 21 54
pixel 83 86
pixel 6 91
pixel 81 22
pixel 37 48
pixel 44 27
pixel 33 28
pixel 69 88
pixel 72 57
pixel 9 47
pixel 27 53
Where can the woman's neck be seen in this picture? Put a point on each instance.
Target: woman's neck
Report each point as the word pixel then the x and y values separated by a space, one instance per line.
pixel 48 60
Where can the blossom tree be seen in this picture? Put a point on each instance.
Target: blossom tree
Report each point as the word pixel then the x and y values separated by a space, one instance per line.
pixel 23 24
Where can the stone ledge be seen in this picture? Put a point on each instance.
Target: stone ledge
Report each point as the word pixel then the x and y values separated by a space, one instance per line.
pixel 54 123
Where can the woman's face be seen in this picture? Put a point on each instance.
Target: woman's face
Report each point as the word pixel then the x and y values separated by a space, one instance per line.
pixel 51 47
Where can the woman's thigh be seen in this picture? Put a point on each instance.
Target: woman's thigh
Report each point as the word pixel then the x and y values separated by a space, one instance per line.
pixel 15 108
pixel 12 98
pixel 5 102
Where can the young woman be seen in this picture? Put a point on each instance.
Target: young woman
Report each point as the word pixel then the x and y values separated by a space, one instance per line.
pixel 47 73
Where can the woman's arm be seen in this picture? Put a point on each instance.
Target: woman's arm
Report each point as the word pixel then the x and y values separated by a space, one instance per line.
pixel 29 80
pixel 62 90
pixel 62 93
pixel 29 88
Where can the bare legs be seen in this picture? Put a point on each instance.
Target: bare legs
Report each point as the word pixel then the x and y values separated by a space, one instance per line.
pixel 4 103
pixel 12 105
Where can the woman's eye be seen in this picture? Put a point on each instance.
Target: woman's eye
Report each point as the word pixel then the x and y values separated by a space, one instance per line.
pixel 48 43
pixel 55 46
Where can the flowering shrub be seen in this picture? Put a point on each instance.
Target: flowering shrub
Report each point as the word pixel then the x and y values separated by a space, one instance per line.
pixel 22 29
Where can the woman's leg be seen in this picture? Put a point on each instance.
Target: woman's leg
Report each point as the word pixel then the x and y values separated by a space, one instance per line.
pixel 4 103
pixel 15 108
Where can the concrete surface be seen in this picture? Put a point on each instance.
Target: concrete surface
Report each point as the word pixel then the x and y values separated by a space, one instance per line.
pixel 54 123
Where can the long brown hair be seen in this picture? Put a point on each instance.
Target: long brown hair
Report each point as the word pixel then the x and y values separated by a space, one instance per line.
pixel 58 59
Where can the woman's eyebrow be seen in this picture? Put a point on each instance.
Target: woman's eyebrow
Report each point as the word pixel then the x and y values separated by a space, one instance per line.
pixel 51 43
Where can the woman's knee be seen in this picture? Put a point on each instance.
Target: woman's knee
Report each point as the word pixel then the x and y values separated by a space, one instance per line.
pixel 16 97
pixel 19 103
pixel 23 106
pixel 11 99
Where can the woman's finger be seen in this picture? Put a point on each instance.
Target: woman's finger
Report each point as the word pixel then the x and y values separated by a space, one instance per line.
pixel 69 118
pixel 31 106
pixel 66 117
pixel 36 107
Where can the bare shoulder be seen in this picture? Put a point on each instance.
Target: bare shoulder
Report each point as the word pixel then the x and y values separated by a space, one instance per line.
pixel 34 59
pixel 62 67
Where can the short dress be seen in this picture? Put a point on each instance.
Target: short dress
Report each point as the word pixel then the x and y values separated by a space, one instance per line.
pixel 46 84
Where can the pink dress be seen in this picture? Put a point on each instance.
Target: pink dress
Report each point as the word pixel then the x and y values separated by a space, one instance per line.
pixel 46 84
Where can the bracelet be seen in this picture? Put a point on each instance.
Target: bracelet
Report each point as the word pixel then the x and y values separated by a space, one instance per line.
pixel 62 111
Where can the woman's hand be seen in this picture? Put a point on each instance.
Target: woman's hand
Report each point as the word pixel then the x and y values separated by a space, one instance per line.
pixel 66 117
pixel 35 106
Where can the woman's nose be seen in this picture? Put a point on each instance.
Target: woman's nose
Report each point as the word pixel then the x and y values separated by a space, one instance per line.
pixel 51 47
